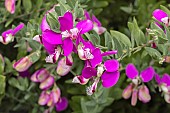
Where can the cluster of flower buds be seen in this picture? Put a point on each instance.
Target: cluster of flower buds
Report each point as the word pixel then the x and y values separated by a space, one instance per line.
pixel 49 97
pixel 137 89
pixel 164 86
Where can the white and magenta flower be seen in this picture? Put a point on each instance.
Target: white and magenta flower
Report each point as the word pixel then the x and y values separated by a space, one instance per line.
pixel 164 85
pixel 10 6
pixel 161 16
pixel 8 36
pixel 137 89
pixel 97 26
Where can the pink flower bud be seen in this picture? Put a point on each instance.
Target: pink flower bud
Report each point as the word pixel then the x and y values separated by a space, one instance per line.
pixel 127 92
pixel 40 75
pixel 23 64
pixel 63 68
pixel 44 98
pixel 134 97
pixel 46 84
pixel 167 97
pixel 62 104
pixel 10 6
pixel 144 95
pixel 80 79
pixel 56 95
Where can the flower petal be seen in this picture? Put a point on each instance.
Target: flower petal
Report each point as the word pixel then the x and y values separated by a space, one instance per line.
pixel 166 79
pixel 88 72
pixel 159 14
pixel 97 58
pixel 44 98
pixel 107 53
pixel 66 21
pixel 111 65
pixel 144 95
pixel 84 26
pixel 110 79
pixel 127 92
pixel 147 74
pixel 51 37
pixel 87 15
pixel 134 97
pixel 131 71
pixel 62 104
pixel 44 25
pixel 10 6
pixel 67 46
pixel 96 21
pixel 157 78
pixel 18 28
pixel 50 48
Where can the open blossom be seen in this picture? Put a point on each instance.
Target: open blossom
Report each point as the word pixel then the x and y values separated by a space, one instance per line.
pixel 161 16
pixel 136 89
pixel 68 34
pixel 97 26
pixel 10 6
pixel 164 85
pixel 8 36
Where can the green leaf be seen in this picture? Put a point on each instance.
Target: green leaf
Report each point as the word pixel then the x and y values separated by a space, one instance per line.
pixel 71 3
pixel 123 39
pixel 153 52
pixel 109 41
pixel 2 64
pixel 63 6
pixel 39 3
pixel 27 5
pixel 35 56
pixel 2 84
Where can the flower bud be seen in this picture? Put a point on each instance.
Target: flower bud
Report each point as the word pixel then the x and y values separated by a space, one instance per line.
pixel 134 97
pixel 144 95
pixel 44 98
pixel 80 79
pixel 23 64
pixel 10 5
pixel 7 39
pixel 53 58
pixel 167 97
pixel 63 68
pixel 127 92
pixel 91 89
pixel 46 84
pixel 40 75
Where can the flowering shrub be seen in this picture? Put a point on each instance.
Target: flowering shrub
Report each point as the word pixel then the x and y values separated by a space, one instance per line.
pixel 64 59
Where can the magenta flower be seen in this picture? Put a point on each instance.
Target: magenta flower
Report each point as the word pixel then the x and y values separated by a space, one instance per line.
pixel 164 85
pixel 62 104
pixel 71 33
pixel 8 36
pixel 97 26
pixel 136 89
pixel 161 16
pixel 10 6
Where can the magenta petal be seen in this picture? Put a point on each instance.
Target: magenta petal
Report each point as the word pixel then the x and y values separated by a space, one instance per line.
pixel 10 6
pixel 107 53
pixel 18 28
pixel 97 58
pixel 84 26
pixel 49 47
pixel 44 25
pixel 66 21
pixel 5 33
pixel 87 15
pixel 131 71
pixel 110 79
pixel 88 72
pixel 166 79
pixel 157 78
pixel 62 104
pixel 52 37
pixel 147 74
pixel 67 46
pixel 159 14
pixel 96 21
pixel 44 98
pixel 111 65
